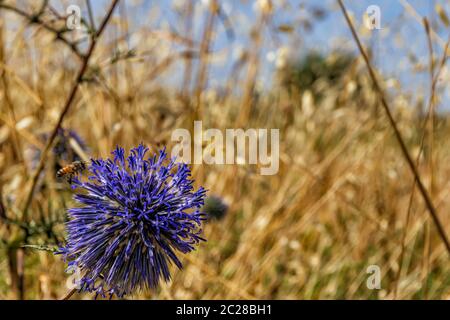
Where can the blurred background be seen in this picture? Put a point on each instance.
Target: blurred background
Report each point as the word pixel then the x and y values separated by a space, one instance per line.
pixel 343 199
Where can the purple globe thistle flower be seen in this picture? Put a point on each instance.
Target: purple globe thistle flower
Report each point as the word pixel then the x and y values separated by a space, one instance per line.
pixel 62 150
pixel 135 214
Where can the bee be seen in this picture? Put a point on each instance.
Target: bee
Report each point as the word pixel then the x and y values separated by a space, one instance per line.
pixel 71 170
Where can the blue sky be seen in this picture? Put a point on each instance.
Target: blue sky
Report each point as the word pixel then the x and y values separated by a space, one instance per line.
pixel 400 38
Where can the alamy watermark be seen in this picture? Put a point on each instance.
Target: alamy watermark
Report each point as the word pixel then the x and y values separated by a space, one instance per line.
pixel 237 147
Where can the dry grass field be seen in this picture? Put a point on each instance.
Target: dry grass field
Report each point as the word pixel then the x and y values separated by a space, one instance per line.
pixel 344 197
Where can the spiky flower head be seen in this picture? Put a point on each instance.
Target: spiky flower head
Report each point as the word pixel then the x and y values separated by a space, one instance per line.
pixel 135 214
pixel 63 149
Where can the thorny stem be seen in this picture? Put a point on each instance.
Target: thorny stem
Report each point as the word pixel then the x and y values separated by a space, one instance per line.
pixel 404 149
pixel 36 19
